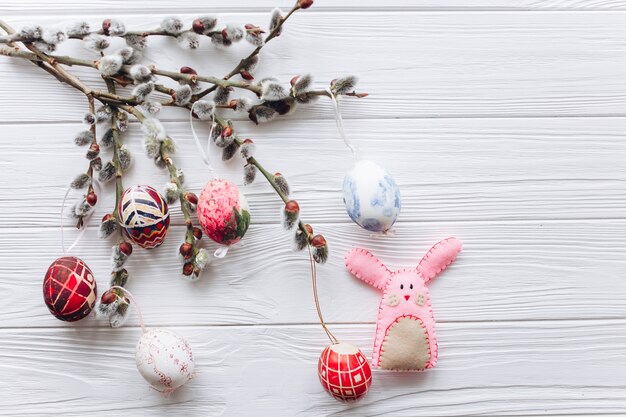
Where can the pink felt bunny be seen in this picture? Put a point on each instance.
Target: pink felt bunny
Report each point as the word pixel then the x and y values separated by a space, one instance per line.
pixel 405 330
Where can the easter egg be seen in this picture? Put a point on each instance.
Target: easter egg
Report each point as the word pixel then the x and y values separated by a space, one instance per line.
pixel 164 359
pixel 344 372
pixel 144 216
pixel 69 289
pixel 371 196
pixel 223 212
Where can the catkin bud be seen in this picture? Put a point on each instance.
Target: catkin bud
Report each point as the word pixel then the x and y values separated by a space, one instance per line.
pixel 126 248
pixel 230 151
pixel 247 149
pixel 171 193
pixel 93 152
pixel 83 138
pixel 110 65
pixel 119 257
pixel 320 249
pixel 203 109
pixel 89 119
pixel 91 199
pixel 125 158
pixel 192 198
pixel 188 269
pixel 249 174
pixel 106 141
pixel 188 40
pixel 276 20
pixel 108 297
pixel 228 131
pixel 80 181
pixel 107 227
pixel 172 25
pixel 290 215
pixel 186 250
pixel 96 164
pixel 246 75
pixel 188 70
pixel 305 4
pixel 301 239
pixel 203 24
pixel 107 173
pixel 182 96
pixel 140 73
pixel 281 182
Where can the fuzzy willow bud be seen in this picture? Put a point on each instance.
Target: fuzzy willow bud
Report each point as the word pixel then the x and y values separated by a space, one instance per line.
pixel 320 249
pixel 229 151
pixel 80 181
pixel 301 239
pixel 247 149
pixel 282 183
pixel 290 214
pixel 249 174
pixel 108 226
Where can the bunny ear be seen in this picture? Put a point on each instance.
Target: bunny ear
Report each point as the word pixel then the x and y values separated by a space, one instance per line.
pixel 438 258
pixel 367 267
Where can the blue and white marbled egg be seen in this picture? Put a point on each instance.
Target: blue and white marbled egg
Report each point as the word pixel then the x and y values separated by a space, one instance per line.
pixel 371 196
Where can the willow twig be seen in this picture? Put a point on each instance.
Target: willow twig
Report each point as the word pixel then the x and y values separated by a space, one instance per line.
pixel 245 62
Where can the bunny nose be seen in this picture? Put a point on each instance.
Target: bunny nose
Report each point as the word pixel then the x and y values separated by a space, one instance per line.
pixel 406 297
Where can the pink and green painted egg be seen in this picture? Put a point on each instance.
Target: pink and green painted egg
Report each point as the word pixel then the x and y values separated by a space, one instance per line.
pixel 223 212
pixel 144 215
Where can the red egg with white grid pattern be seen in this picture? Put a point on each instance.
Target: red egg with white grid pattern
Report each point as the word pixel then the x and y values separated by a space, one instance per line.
pixel 344 372
pixel 69 289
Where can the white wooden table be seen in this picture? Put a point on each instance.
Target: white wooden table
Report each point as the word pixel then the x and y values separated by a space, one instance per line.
pixel 503 121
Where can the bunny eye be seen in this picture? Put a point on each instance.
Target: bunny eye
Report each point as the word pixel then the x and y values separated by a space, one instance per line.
pixel 411 286
pixel 401 286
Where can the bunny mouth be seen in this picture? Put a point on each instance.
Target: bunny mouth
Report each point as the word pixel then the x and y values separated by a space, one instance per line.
pixel 406 297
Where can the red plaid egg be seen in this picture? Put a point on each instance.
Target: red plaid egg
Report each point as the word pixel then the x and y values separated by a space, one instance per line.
pixel 69 289
pixel 344 372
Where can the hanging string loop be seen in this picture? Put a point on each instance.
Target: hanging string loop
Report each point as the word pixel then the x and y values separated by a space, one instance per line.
pixel 85 221
pixel 339 121
pixel 204 154
pixel 132 299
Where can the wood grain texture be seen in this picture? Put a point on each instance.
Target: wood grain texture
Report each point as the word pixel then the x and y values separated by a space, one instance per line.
pixel 495 369
pixel 41 7
pixel 430 65
pixel 527 270
pixel 450 169
pixel 502 121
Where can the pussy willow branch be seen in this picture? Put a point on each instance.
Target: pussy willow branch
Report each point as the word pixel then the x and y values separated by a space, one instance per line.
pixel 176 76
pixel 118 278
pixel 127 103
pixel 268 176
pixel 16 37
pixel 41 65
pixel 173 172
pixel 110 98
pixel 245 62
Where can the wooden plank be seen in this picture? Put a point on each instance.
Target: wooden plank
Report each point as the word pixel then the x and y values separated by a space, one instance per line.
pixel 528 270
pixel 448 169
pixel 496 369
pixel 106 7
pixel 453 64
